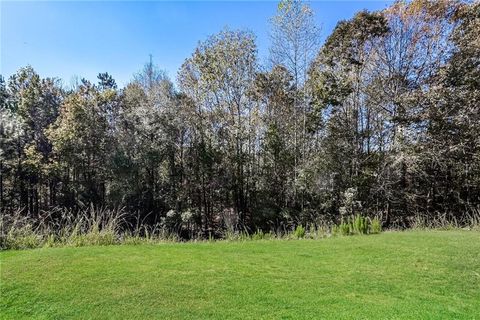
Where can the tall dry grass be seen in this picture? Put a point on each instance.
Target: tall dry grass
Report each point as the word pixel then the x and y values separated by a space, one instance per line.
pixel 101 226
pixel 65 227
pixel 443 221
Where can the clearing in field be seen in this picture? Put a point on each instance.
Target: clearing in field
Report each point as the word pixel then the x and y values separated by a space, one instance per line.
pixel 434 274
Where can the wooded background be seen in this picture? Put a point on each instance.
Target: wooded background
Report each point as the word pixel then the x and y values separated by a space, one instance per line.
pixel 382 119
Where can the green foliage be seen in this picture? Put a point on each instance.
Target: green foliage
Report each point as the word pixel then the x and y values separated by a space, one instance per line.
pixel 260 235
pixel 299 232
pixel 95 238
pixel 236 146
pixel 344 228
pixel 101 227
pixel 23 237
pixel 359 224
pixel 375 225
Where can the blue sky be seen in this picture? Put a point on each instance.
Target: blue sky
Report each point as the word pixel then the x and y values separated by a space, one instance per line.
pixel 67 38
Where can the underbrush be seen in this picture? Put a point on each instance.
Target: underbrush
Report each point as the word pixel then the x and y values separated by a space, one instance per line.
pixel 470 220
pixel 94 226
pixel 358 225
pixel 62 227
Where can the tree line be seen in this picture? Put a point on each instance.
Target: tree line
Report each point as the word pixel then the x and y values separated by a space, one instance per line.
pixel 382 119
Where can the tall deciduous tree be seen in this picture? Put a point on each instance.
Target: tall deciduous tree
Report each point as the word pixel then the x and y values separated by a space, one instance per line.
pixel 295 41
pixel 218 77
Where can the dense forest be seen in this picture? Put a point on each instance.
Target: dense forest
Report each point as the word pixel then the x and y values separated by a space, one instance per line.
pixel 381 119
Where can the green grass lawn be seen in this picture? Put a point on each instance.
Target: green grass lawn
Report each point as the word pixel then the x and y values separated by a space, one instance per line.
pixel 395 275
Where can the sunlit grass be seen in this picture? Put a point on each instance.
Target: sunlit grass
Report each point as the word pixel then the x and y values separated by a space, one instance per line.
pixel 394 275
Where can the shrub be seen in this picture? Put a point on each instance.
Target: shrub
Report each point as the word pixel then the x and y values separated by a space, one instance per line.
pixel 359 224
pixel 344 228
pixel 312 232
pixel 299 232
pixel 258 235
pixel 21 238
pixel 375 225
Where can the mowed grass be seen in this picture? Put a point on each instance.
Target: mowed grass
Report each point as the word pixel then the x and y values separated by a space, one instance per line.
pixel 394 275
